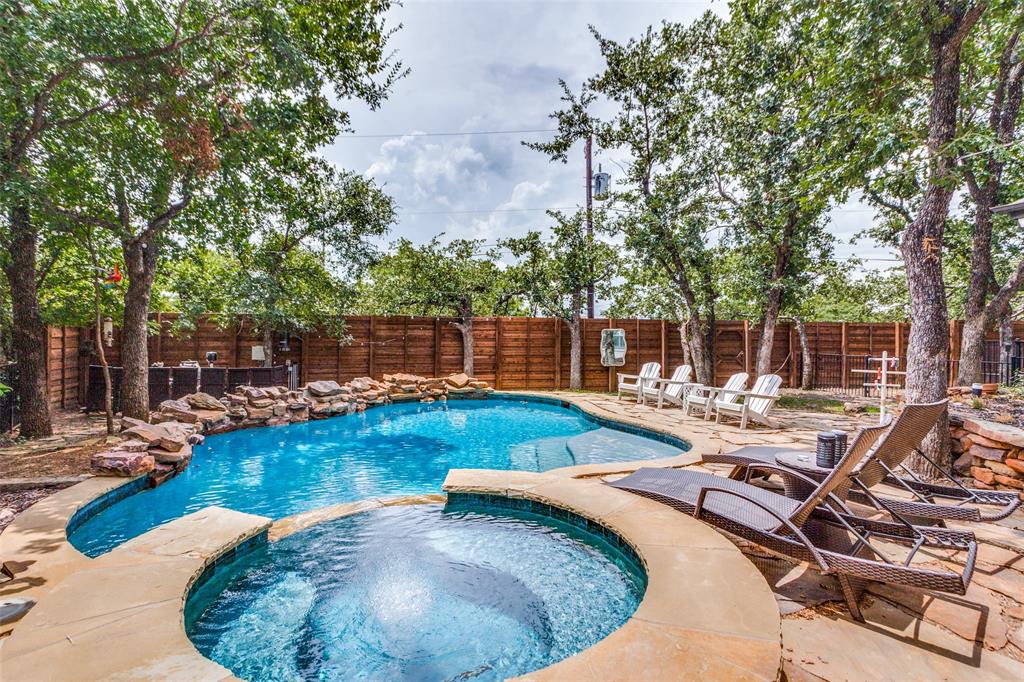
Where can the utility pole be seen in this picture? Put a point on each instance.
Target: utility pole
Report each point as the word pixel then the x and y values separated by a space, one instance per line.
pixel 590 218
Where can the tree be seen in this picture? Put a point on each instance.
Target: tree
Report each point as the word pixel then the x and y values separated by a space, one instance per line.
pixel 667 207
pixel 555 274
pixel 294 268
pixel 214 122
pixel 883 65
pixel 459 278
pixel 65 64
pixel 769 157
pixel 994 86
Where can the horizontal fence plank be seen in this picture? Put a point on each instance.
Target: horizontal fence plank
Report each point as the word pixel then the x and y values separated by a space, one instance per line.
pixel 509 352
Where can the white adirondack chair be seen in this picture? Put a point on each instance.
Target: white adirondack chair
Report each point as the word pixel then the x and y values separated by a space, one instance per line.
pixel 756 402
pixel 635 383
pixel 705 397
pixel 672 390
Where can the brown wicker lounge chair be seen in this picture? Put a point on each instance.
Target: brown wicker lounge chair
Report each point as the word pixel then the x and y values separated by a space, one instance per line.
pixel 885 463
pixel 817 528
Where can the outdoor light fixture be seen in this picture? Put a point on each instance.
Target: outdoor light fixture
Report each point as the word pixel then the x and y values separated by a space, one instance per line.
pixel 108 331
pixel 1014 210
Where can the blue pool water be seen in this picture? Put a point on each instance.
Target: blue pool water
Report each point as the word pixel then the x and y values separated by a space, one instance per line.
pixel 394 450
pixel 415 593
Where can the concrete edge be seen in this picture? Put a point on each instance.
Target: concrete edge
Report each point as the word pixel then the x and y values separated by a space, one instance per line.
pixel 707 613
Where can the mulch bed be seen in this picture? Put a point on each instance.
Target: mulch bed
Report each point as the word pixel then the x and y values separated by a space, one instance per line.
pixel 15 502
pixel 1002 407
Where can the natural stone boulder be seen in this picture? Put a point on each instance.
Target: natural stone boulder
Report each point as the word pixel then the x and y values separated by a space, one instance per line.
pixel 458 380
pixel 261 402
pixel 147 433
pixel 258 413
pixel 122 463
pixel 323 388
pixel 174 436
pixel 133 446
pixel 179 458
pixel 251 392
pixel 1004 433
pixel 478 384
pixel 204 401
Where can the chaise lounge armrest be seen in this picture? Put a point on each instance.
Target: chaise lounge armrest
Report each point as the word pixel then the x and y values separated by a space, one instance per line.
pixel 784 522
pixel 789 475
pixel 626 376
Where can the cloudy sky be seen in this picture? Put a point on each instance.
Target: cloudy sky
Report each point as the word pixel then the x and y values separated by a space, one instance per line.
pixel 486 66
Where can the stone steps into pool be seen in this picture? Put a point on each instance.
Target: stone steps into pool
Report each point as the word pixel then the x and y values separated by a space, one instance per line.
pixel 609 445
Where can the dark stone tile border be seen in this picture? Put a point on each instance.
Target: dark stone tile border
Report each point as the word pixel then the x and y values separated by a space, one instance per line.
pixel 108 499
pixel 490 502
pixel 224 561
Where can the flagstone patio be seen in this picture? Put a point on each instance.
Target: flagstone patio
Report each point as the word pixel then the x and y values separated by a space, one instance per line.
pixel 907 634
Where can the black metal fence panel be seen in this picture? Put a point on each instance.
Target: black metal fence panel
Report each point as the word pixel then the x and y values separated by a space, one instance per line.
pixel 184 380
pixel 166 383
pixel 9 413
pixel 213 380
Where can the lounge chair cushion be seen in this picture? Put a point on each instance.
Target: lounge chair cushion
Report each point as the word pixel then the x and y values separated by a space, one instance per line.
pixel 685 486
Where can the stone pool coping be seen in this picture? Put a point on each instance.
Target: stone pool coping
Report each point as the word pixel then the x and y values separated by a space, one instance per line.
pixel 49 569
pixel 121 615
pixel 708 613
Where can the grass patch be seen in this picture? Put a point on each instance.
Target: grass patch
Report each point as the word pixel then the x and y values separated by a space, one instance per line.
pixel 814 404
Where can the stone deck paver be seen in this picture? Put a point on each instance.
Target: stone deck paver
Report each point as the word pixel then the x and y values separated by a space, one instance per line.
pixel 707 612
pixel 36 544
pixel 120 616
pixel 820 641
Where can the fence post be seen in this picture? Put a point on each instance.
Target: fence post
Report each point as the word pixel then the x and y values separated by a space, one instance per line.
pixel 371 344
pixel 792 358
pixel 437 346
pixel 526 370
pixel 303 361
pixel 558 352
pixel 611 370
pixel 497 353
pixel 746 346
pixel 845 367
pixel 664 354
pixel 899 339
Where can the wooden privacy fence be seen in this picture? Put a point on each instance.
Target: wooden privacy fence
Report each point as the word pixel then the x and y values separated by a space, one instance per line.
pixel 509 352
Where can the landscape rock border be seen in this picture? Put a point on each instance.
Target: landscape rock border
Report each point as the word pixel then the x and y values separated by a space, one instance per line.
pixel 162 447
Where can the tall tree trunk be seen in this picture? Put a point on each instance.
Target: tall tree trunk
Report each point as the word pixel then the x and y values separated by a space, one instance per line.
pixel 979 315
pixel 465 327
pixel 807 362
pixel 268 346
pixel 921 245
pixel 575 344
pixel 30 334
pixel 769 320
pixel 97 290
pixel 140 256
pixel 575 353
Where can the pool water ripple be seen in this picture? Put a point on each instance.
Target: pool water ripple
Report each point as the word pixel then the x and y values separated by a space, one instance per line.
pixel 395 450
pixel 417 593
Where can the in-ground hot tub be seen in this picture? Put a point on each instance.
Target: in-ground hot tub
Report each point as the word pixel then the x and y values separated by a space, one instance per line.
pixel 393 450
pixel 469 591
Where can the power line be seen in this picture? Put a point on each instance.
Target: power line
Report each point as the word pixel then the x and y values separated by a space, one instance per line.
pixel 454 134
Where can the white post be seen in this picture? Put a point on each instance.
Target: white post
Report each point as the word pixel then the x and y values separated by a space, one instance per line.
pixel 881 389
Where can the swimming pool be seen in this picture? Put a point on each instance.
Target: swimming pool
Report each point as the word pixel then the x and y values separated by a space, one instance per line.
pixel 415 593
pixel 393 450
